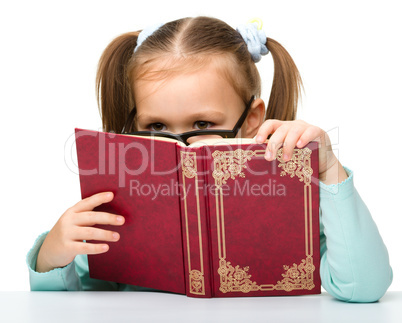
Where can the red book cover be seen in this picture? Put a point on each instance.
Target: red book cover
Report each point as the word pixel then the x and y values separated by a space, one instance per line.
pixel 149 252
pixel 207 221
pixel 262 219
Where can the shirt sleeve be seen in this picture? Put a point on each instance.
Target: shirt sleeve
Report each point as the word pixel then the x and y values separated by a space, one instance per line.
pixel 354 260
pixel 73 277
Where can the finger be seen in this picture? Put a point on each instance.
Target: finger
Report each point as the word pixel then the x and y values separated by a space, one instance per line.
pixel 289 144
pixel 85 248
pixel 93 201
pixel 91 233
pixel 90 218
pixel 312 133
pixel 268 127
pixel 276 141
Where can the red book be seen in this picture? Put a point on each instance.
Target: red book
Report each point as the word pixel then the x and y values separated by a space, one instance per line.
pixel 212 220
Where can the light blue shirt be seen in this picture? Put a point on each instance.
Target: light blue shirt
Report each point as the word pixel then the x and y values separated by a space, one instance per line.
pixel 354 260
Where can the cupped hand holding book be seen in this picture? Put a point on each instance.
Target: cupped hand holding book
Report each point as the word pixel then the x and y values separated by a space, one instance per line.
pixel 65 240
pixel 296 134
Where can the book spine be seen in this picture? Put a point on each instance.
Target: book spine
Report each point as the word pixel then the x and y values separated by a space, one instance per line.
pixel 194 216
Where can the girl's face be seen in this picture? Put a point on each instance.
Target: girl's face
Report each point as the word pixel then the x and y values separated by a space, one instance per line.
pixel 194 101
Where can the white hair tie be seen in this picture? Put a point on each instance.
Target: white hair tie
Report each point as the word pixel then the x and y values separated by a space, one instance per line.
pixel 145 33
pixel 255 38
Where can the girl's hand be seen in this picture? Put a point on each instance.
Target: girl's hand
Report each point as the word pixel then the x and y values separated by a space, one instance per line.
pixel 65 240
pixel 297 133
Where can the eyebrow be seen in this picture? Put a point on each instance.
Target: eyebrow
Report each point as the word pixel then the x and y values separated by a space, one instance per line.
pixel 218 116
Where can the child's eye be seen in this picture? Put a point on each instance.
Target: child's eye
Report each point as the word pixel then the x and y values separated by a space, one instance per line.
pixel 201 125
pixel 157 126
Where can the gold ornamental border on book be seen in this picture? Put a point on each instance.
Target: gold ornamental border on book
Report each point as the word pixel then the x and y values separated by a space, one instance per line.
pixel 230 164
pixel 189 171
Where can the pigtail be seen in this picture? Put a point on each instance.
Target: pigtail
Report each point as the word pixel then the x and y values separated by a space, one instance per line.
pixel 286 85
pixel 113 87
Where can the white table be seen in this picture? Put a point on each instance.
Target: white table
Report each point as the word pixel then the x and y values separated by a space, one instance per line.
pixel 156 307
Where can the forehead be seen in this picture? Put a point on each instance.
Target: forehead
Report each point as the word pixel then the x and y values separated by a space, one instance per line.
pixel 169 66
pixel 201 90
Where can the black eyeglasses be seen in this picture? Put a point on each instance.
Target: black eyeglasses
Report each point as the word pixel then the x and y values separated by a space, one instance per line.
pixel 183 137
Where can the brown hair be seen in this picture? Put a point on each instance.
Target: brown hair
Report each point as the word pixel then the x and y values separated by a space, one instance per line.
pixel 186 45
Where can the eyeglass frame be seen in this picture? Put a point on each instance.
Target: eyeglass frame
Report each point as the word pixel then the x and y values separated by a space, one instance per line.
pixel 183 137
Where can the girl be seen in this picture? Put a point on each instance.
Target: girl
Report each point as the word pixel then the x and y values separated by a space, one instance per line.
pixel 199 73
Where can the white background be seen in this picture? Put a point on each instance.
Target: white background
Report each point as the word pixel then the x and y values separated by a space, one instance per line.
pixel 348 53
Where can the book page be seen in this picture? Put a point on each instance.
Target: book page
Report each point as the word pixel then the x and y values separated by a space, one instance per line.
pixel 222 141
pixel 202 142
